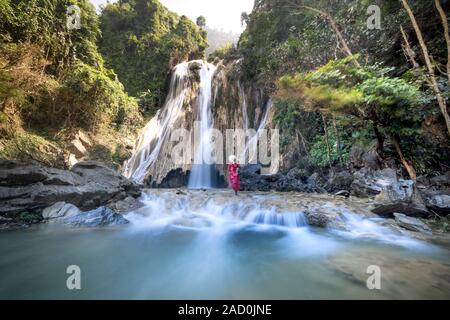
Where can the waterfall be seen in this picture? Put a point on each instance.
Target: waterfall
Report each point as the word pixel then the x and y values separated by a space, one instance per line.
pixel 244 105
pixel 202 171
pixel 153 135
pixel 148 147
pixel 253 142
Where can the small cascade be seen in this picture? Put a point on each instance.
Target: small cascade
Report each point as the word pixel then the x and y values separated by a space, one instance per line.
pixel 199 212
pixel 271 217
pixel 154 134
pixel 202 171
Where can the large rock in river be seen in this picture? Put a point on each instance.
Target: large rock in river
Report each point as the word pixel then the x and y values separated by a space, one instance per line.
pixel 410 223
pixel 438 203
pixel 33 187
pixel 402 197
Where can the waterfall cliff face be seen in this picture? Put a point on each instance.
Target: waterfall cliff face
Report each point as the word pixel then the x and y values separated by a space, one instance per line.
pixel 240 105
pixel 202 96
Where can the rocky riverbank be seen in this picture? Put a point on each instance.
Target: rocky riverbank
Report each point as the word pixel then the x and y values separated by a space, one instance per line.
pixel 391 193
pixel 32 193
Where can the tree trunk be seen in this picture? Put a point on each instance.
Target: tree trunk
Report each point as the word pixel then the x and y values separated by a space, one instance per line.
pixel 338 140
pixel 408 166
pixel 408 50
pixel 446 34
pixel 334 26
pixel 325 128
pixel 301 139
pixel 430 67
pixel 380 139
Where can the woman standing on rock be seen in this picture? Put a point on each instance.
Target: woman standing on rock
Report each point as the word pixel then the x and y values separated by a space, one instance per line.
pixel 233 175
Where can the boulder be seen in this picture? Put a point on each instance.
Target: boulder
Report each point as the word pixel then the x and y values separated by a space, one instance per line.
pixel 60 210
pixel 317 219
pixel 324 218
pixel 77 148
pixel 438 203
pixel 126 205
pixel 441 181
pixel 33 187
pixel 99 217
pixel 14 173
pixel 71 160
pixel 369 183
pixel 339 181
pixel 411 223
pixel 401 196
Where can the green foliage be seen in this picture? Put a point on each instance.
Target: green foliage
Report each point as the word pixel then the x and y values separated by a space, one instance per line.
pixel 142 41
pixel 29 217
pixel 227 51
pixel 54 79
pixel 370 98
pixel 282 37
pixel 293 121
pixel 366 93
pixel 319 150
pixel 218 39
pixel 29 146
pixel 92 97
pixel 201 21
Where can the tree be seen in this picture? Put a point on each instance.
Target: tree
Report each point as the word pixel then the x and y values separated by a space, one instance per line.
pixel 333 24
pixel 142 40
pixel 201 22
pixel 366 94
pixel 244 18
pixel 431 72
pixel 446 33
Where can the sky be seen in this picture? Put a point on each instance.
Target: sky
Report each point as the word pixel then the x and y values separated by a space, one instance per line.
pixel 219 14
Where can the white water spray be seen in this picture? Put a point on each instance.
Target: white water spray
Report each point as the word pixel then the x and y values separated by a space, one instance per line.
pixel 154 134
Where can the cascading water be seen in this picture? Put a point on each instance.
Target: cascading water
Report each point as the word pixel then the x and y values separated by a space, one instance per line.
pixel 252 143
pixel 202 171
pixel 244 105
pixel 153 135
pixel 147 153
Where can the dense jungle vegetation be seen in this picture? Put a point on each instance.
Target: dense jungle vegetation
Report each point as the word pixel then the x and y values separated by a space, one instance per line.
pixel 103 77
pixel 340 83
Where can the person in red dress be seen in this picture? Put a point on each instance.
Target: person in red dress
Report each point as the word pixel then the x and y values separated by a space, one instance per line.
pixel 233 174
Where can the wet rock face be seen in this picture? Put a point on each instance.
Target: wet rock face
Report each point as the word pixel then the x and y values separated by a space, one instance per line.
pixel 33 187
pixel 60 210
pixel 68 214
pixel 99 217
